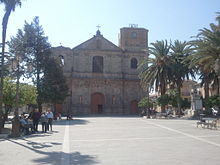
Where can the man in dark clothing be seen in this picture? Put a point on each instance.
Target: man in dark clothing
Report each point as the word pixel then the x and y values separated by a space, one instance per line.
pixel 36 117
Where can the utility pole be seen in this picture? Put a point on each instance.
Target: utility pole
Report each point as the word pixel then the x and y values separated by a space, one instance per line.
pixel 2 69
pixel 148 101
pixel 1 86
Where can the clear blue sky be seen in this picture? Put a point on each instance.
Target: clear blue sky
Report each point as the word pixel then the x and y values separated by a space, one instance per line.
pixel 72 22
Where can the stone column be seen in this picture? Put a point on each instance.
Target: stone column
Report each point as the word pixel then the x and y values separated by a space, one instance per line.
pixel 196 102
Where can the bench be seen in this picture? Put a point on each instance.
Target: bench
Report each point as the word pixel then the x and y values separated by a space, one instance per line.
pixel 202 123
pixel 207 123
pixel 160 115
pixel 26 129
pixel 213 124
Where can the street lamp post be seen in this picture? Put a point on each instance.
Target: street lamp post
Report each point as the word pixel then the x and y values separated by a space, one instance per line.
pixel 148 100
pixel 16 121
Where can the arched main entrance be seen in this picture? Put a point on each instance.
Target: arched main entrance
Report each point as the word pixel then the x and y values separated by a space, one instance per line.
pixel 97 103
pixel 134 107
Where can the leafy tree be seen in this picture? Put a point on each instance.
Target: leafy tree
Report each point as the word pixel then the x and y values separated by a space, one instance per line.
pixel 27 95
pixel 35 50
pixel 174 100
pixel 185 104
pixel 17 69
pixel 155 70
pixel 54 88
pixel 16 47
pixel 10 6
pixel 214 101
pixel 38 51
pixel 146 102
pixel 9 92
pixel 163 100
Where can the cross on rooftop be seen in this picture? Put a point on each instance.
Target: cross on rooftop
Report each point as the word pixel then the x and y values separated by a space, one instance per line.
pixel 98 26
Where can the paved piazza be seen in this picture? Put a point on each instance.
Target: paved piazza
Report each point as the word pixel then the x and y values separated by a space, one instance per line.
pixel 116 141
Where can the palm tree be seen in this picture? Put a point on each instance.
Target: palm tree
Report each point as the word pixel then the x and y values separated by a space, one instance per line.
pixel 10 6
pixel 155 70
pixel 204 64
pixel 207 54
pixel 180 66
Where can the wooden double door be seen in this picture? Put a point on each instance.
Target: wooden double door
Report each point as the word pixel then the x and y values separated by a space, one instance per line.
pixel 97 103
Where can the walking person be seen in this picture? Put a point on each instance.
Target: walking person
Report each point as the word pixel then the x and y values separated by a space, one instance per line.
pixel 36 118
pixel 50 119
pixel 44 121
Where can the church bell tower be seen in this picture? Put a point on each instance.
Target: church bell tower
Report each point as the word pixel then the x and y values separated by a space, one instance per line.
pixel 133 38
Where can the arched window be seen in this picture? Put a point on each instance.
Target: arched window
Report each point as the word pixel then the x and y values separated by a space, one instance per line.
pixel 97 64
pixel 113 99
pixel 134 63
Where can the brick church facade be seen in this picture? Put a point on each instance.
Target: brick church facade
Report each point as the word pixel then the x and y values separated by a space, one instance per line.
pixel 103 77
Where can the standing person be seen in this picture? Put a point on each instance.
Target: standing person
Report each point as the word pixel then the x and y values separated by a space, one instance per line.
pixel 36 117
pixel 44 121
pixel 50 119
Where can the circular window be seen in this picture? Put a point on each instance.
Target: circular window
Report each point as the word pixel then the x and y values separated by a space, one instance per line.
pixel 133 35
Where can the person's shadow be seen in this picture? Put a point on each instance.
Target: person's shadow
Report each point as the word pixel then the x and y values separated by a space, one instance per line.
pixel 74 121
pixel 56 158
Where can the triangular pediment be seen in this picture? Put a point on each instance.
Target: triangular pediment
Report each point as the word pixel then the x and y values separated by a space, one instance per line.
pixel 98 42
